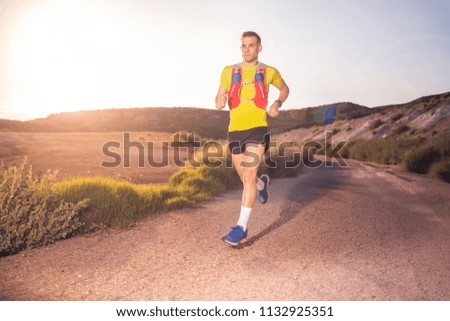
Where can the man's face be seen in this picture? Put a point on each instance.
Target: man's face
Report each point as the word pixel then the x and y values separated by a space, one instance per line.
pixel 250 49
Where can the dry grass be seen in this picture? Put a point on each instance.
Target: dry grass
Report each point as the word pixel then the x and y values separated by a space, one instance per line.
pixel 80 154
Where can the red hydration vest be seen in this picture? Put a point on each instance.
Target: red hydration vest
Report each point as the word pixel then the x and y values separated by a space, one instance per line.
pixel 261 94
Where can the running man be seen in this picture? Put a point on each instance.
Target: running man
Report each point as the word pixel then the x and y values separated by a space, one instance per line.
pixel 245 86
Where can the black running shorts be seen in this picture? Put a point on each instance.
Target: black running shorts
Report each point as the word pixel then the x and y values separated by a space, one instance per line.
pixel 238 139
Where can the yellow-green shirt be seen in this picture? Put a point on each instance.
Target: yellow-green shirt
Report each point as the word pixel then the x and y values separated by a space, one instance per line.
pixel 247 115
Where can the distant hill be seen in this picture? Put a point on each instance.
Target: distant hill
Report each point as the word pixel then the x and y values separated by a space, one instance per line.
pixel 206 122
pixel 307 117
pixel 425 117
pixel 212 123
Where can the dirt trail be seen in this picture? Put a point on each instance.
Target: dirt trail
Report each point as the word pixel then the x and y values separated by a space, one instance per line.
pixel 356 233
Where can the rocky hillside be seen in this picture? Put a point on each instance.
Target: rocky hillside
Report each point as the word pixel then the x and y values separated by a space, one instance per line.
pixel 426 116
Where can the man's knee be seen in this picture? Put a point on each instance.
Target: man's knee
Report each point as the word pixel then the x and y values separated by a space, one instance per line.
pixel 248 175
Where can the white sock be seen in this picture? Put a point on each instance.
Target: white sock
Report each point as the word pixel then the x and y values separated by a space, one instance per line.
pixel 244 216
pixel 259 184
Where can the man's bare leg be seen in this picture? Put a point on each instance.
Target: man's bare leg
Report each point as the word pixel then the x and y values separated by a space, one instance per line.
pixel 247 168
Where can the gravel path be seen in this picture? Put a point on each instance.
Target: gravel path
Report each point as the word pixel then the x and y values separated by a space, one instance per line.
pixel 363 232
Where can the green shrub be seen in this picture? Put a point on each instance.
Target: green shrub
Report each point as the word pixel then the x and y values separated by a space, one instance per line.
pixel 396 117
pixel 441 143
pixel 178 177
pixel 113 203
pixel 204 180
pixel 336 130
pixel 385 151
pixel 179 202
pixel 441 169
pixel 375 124
pixel 30 214
pixel 415 153
pixel 403 128
pixel 119 204
pixel 421 159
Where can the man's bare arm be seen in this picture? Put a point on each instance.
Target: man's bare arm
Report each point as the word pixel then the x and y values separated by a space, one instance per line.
pixel 221 98
pixel 284 93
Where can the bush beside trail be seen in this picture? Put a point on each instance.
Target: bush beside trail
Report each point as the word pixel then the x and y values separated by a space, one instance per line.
pixel 415 154
pixel 423 158
pixel 31 214
pixel 119 204
pixel 388 151
pixel 441 169
pixel 36 212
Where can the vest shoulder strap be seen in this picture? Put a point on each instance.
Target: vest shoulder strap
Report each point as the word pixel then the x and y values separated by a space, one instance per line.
pixel 259 66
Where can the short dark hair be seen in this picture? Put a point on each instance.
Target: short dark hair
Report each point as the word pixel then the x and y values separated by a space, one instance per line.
pixel 252 34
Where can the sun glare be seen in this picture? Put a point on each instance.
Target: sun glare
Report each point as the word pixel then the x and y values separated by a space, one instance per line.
pixel 60 56
pixel 69 57
pixel 38 60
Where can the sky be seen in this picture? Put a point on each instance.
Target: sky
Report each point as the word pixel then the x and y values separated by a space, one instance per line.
pixel 63 55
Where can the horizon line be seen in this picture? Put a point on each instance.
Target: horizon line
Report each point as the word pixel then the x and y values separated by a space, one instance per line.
pixel 212 108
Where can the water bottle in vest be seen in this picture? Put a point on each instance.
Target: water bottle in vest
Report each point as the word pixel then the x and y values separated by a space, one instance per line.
pixel 236 77
pixel 259 77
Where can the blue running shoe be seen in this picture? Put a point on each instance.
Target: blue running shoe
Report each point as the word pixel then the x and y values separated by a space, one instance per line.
pixel 263 194
pixel 236 235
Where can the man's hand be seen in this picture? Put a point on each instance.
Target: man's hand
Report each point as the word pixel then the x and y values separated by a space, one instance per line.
pixel 221 99
pixel 284 93
pixel 273 110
